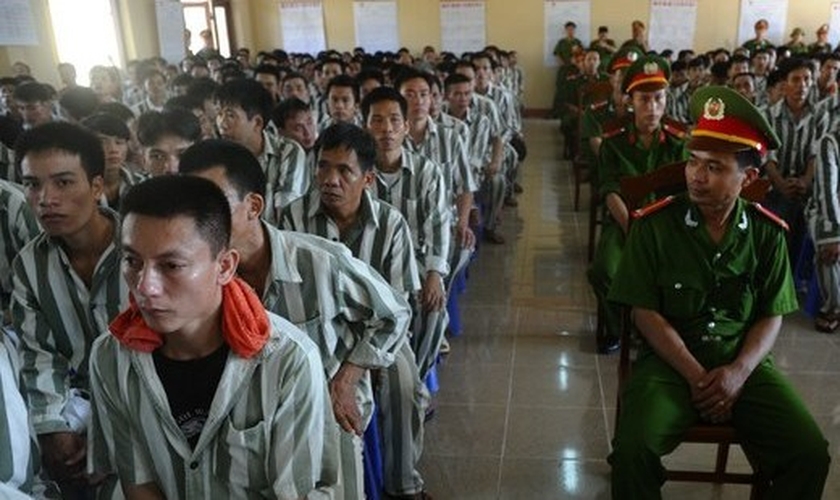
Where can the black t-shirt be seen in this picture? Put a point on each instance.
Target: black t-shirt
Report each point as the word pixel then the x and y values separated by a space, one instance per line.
pixel 190 387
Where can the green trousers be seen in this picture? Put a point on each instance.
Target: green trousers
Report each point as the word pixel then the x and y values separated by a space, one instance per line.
pixel 601 272
pixel 778 433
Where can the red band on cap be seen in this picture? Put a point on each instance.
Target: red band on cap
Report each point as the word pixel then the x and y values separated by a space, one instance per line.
pixel 731 129
pixel 643 78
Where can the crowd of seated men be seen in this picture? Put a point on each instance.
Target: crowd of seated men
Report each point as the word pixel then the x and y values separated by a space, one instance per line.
pixel 217 276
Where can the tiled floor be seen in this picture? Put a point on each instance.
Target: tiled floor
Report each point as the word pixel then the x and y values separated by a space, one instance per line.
pixel 526 407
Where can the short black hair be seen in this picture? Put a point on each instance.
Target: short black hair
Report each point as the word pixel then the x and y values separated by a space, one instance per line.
pixel 352 137
pixel 181 80
pixel 32 92
pixel 455 79
pixel 202 88
pixel 774 78
pixel 67 137
pixel 484 55
pixel 412 74
pixel 288 109
pixel 344 81
pixel 249 95
pixel 171 196
pixel 268 69
pixel 678 65
pixel 185 101
pixel 117 109
pixel 791 64
pixel 371 74
pixel 570 24
pixel 153 125
pixel 382 94
pixel 105 124
pixel 79 102
pixel 748 158
pixel 294 75
pixel 241 167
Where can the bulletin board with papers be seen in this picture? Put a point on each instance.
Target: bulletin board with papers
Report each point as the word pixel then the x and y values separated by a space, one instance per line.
pixel 774 11
pixel 17 24
pixel 302 27
pixel 376 25
pixel 672 24
pixel 462 26
pixel 834 24
pixel 557 14
pixel 171 26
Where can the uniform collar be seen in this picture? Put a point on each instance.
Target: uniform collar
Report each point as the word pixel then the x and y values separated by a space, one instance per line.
pixel 367 215
pixel 283 260
pixel 739 222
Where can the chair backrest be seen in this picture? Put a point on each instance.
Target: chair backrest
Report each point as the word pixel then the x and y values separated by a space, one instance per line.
pixel 670 179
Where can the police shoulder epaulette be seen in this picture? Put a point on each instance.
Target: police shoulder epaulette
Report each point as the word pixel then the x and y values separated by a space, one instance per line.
pixel 770 215
pixel 675 128
pixel 614 127
pixel 573 76
pixel 653 207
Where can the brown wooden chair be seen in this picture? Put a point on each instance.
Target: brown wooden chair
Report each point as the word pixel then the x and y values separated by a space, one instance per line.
pixel 581 168
pixel 670 179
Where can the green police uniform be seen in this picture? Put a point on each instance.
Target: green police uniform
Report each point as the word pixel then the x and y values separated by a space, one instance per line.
pixel 755 44
pixel 624 155
pixel 565 48
pixel 712 294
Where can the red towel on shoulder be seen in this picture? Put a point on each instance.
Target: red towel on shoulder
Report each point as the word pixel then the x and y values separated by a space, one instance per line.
pixel 245 325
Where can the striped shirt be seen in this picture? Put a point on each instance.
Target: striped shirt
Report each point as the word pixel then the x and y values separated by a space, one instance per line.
pixel 345 306
pixel 266 435
pixel 17 460
pixel 380 236
pixel 57 318
pixel 18 226
pixel 419 193
pixel 479 128
pixel 824 205
pixel 8 168
pixel 284 164
pixel 678 100
pixel 799 138
pixel 487 107
pixel 508 110
pixel 448 150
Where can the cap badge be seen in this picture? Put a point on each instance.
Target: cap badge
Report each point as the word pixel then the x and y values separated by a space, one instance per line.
pixel 651 68
pixel 632 56
pixel 714 109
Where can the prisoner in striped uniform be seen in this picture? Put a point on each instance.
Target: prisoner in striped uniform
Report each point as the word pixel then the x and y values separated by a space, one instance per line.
pixel 485 137
pixel 441 145
pixel 245 112
pixel 18 226
pixel 66 286
pixel 198 391
pixel 415 186
pixel 357 320
pixel 341 209
pixel 823 213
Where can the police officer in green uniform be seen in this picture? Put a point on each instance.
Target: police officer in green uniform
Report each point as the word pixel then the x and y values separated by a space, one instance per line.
pixel 708 279
pixel 564 52
pixel 637 144
pixel 760 41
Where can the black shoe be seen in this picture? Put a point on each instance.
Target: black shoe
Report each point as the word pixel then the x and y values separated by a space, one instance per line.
pixel 608 344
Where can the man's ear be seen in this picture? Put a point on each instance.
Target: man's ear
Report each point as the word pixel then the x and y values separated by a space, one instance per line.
pixel 256 205
pixel 228 260
pixel 750 175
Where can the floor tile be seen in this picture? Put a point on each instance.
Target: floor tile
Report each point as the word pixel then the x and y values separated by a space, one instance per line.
pixel 551 433
pixel 543 479
pixel 466 431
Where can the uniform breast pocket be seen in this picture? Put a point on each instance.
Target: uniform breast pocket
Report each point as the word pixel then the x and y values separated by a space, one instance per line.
pixel 681 298
pixel 735 296
pixel 239 456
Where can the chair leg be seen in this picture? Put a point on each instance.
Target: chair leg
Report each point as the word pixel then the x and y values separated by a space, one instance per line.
pixel 722 459
pixel 593 214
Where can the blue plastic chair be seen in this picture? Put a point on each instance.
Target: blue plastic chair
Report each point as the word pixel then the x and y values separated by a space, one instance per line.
pixel 372 455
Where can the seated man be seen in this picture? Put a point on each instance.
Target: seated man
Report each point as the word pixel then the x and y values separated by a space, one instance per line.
pixel 198 391
pixel 243 117
pixel 342 102
pixel 708 278
pixel 66 288
pixel 358 321
pixel 164 137
pixel 342 209
pixel 293 119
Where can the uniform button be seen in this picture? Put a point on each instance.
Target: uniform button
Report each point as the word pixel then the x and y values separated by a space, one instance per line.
pixel 711 324
pixel 717 256
pixel 677 286
pixel 713 309
pixel 193 465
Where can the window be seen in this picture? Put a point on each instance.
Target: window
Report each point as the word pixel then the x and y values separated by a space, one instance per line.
pixel 198 17
pixel 80 45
